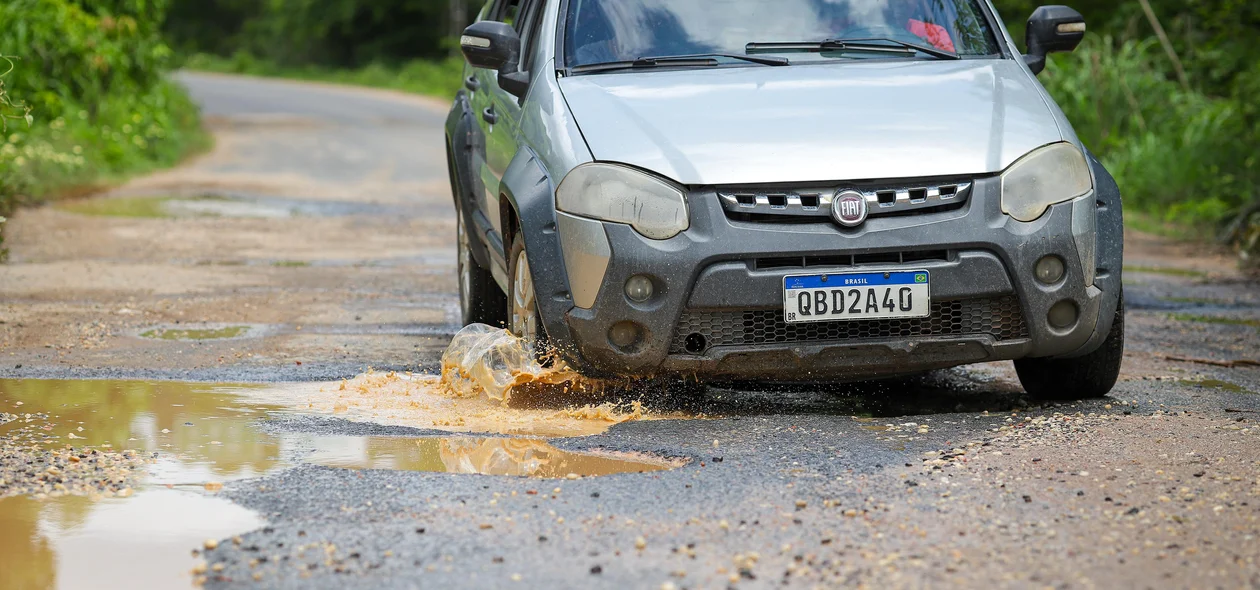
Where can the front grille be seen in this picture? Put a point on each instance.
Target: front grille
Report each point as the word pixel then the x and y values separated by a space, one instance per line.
pixel 848 260
pixel 814 204
pixel 999 317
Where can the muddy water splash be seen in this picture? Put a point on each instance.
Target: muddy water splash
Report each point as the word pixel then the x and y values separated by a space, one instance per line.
pixel 482 360
pixel 490 383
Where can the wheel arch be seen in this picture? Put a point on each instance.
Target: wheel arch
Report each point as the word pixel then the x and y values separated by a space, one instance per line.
pixel 527 205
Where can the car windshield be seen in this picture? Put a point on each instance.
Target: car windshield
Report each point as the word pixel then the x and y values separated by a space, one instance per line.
pixel 603 31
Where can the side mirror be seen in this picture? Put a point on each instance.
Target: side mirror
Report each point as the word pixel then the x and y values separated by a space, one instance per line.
pixel 1052 29
pixel 496 46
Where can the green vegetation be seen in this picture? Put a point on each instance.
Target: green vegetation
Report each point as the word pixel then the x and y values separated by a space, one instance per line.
pixel 1203 319
pixel 432 77
pixel 1167 100
pixel 89 73
pixel 399 44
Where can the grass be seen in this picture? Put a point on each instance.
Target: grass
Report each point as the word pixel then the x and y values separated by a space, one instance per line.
pixel 291 264
pixel 1203 319
pixel 432 78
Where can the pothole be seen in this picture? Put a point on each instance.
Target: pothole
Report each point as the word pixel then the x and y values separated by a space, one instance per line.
pixel 1214 384
pixel 97 475
pixel 207 333
pixel 218 205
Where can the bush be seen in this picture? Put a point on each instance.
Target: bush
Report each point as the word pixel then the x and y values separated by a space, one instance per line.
pixel 437 78
pixel 1176 153
pixel 91 73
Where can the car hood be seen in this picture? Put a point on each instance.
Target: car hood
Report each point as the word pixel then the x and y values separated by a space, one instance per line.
pixel 815 122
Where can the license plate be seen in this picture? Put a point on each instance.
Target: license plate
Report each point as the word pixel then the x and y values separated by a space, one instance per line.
pixel 856 296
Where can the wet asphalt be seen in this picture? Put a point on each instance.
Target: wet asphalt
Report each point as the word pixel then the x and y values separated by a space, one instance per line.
pixel 789 486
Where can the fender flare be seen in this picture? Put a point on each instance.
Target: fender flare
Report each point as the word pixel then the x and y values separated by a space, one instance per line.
pixel 528 193
pixel 1109 234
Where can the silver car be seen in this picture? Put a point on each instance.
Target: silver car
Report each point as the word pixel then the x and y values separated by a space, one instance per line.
pixel 783 189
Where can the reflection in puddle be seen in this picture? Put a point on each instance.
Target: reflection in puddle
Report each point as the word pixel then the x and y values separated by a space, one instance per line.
pixel 200 434
pixel 493 456
pixel 141 542
pixel 97 531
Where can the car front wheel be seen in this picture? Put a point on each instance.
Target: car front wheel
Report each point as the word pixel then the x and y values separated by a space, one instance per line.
pixel 1084 377
pixel 522 303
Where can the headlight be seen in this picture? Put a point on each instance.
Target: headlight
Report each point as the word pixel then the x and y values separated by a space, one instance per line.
pixel 609 192
pixel 1049 175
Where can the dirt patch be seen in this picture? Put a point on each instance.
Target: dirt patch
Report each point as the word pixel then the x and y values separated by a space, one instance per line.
pixel 1146 253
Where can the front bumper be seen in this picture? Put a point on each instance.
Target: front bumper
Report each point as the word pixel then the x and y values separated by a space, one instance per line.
pixel 723 278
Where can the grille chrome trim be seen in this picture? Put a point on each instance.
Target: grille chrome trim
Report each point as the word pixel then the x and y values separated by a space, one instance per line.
pixel 817 203
pixel 1000 317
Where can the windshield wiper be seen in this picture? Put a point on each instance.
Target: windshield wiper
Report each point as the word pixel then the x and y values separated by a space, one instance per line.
pixel 701 59
pixel 873 45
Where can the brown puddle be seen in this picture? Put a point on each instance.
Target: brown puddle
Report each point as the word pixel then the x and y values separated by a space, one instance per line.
pixel 113 483
pixel 140 485
pixel 490 383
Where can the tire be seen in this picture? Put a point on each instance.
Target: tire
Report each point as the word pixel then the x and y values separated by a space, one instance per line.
pixel 533 332
pixel 1086 377
pixel 481 301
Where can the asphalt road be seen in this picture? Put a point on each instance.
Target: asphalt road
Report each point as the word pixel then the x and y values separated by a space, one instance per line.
pixel 332 248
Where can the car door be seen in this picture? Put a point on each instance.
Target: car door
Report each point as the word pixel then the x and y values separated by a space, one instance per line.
pixel 501 117
pixel 483 85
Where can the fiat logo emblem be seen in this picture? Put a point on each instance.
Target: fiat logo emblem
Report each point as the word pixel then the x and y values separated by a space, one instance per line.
pixel 849 208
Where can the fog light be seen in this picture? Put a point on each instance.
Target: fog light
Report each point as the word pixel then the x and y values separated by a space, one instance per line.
pixel 624 334
pixel 1062 315
pixel 1050 270
pixel 639 288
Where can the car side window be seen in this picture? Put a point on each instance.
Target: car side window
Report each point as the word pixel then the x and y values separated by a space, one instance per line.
pixel 529 26
pixel 508 11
